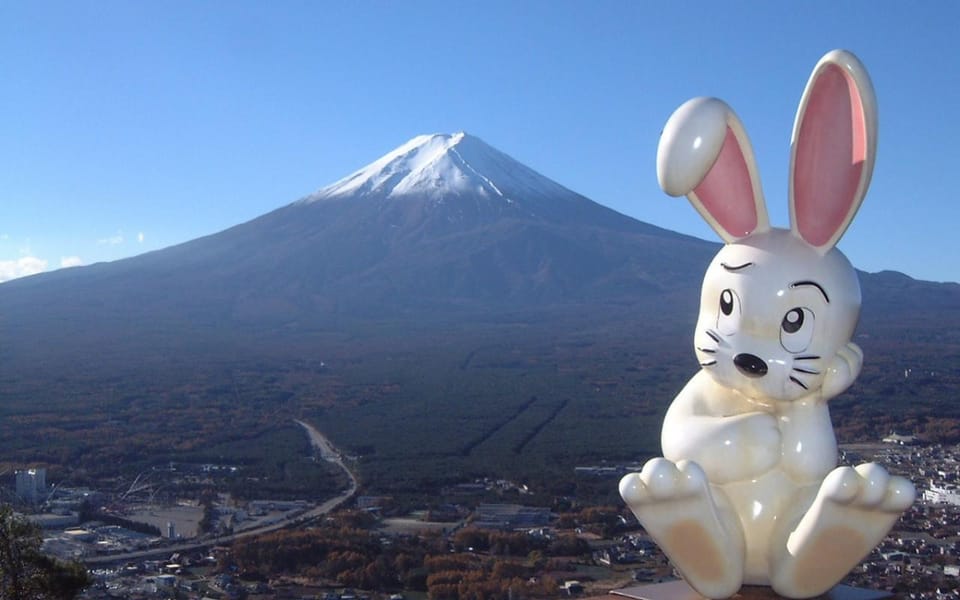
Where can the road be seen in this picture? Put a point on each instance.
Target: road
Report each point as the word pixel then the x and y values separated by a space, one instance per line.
pixel 330 454
pixel 327 452
pixel 321 443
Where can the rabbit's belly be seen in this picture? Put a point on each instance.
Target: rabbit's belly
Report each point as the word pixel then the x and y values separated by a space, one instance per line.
pixel 764 506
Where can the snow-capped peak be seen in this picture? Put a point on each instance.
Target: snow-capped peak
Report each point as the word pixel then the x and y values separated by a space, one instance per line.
pixel 441 165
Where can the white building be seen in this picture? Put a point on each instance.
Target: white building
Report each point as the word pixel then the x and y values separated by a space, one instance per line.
pixel 946 494
pixel 900 440
pixel 31 484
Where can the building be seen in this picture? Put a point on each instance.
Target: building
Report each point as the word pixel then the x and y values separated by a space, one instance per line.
pixel 31 485
pixel 510 516
pixel 943 494
pixel 900 440
pixel 54 521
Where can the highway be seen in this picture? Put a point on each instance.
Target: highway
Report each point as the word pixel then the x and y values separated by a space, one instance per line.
pixel 326 451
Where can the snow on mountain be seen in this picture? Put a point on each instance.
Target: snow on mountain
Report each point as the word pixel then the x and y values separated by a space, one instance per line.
pixel 440 165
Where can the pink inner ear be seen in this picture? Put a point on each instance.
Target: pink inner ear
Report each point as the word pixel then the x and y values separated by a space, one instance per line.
pixel 727 192
pixel 831 150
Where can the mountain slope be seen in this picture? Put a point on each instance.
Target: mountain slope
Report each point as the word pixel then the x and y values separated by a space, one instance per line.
pixel 444 222
pixel 441 228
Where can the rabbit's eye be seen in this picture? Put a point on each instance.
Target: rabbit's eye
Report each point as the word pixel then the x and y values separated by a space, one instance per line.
pixel 793 320
pixel 796 329
pixel 728 320
pixel 726 302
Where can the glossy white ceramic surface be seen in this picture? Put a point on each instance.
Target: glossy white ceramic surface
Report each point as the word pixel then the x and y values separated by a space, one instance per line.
pixel 748 490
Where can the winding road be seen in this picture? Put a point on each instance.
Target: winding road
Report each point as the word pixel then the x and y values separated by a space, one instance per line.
pixel 327 452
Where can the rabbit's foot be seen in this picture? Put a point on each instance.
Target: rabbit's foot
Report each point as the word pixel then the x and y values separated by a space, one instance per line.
pixel 852 512
pixel 674 504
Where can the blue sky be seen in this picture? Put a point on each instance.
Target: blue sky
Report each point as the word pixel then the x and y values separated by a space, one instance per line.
pixel 131 126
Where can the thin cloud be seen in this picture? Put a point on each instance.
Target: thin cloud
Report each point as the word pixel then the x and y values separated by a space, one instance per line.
pixel 113 240
pixel 140 237
pixel 21 267
pixel 70 261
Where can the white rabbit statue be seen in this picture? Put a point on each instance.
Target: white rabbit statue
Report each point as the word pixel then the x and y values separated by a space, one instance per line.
pixel 748 491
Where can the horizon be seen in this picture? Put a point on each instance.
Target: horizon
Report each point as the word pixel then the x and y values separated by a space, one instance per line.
pixel 129 128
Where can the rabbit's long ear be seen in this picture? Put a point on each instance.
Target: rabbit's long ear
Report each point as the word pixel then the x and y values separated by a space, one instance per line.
pixel 704 154
pixel 833 149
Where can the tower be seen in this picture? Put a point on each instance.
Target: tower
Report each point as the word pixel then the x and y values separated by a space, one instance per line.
pixel 31 484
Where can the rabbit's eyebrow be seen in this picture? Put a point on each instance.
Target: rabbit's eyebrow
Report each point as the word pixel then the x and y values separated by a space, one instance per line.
pixel 734 268
pixel 814 284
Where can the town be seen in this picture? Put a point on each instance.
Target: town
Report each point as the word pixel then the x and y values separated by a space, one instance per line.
pixel 139 546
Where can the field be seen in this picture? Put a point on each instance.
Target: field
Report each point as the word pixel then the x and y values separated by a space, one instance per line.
pixel 185 519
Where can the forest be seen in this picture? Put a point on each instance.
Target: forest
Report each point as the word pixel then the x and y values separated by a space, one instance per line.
pixel 474 563
pixel 416 406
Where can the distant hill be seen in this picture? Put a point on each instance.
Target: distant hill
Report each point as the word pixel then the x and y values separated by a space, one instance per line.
pixel 445 272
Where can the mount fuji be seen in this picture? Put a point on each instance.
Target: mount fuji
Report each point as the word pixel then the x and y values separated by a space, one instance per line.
pixel 443 229
pixel 443 224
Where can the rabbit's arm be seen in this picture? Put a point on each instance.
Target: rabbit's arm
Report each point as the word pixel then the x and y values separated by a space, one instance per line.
pixel 843 371
pixel 727 439
pixel 809 444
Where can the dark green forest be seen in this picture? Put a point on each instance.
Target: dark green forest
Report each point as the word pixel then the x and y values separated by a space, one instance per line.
pixel 417 408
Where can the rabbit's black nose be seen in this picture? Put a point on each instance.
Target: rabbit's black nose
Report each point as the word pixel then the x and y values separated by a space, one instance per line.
pixel 750 365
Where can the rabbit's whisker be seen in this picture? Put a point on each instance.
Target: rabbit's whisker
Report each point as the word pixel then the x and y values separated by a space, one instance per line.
pixel 713 336
pixel 707 350
pixel 806 371
pixel 798 382
pixel 708 363
pixel 807 357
